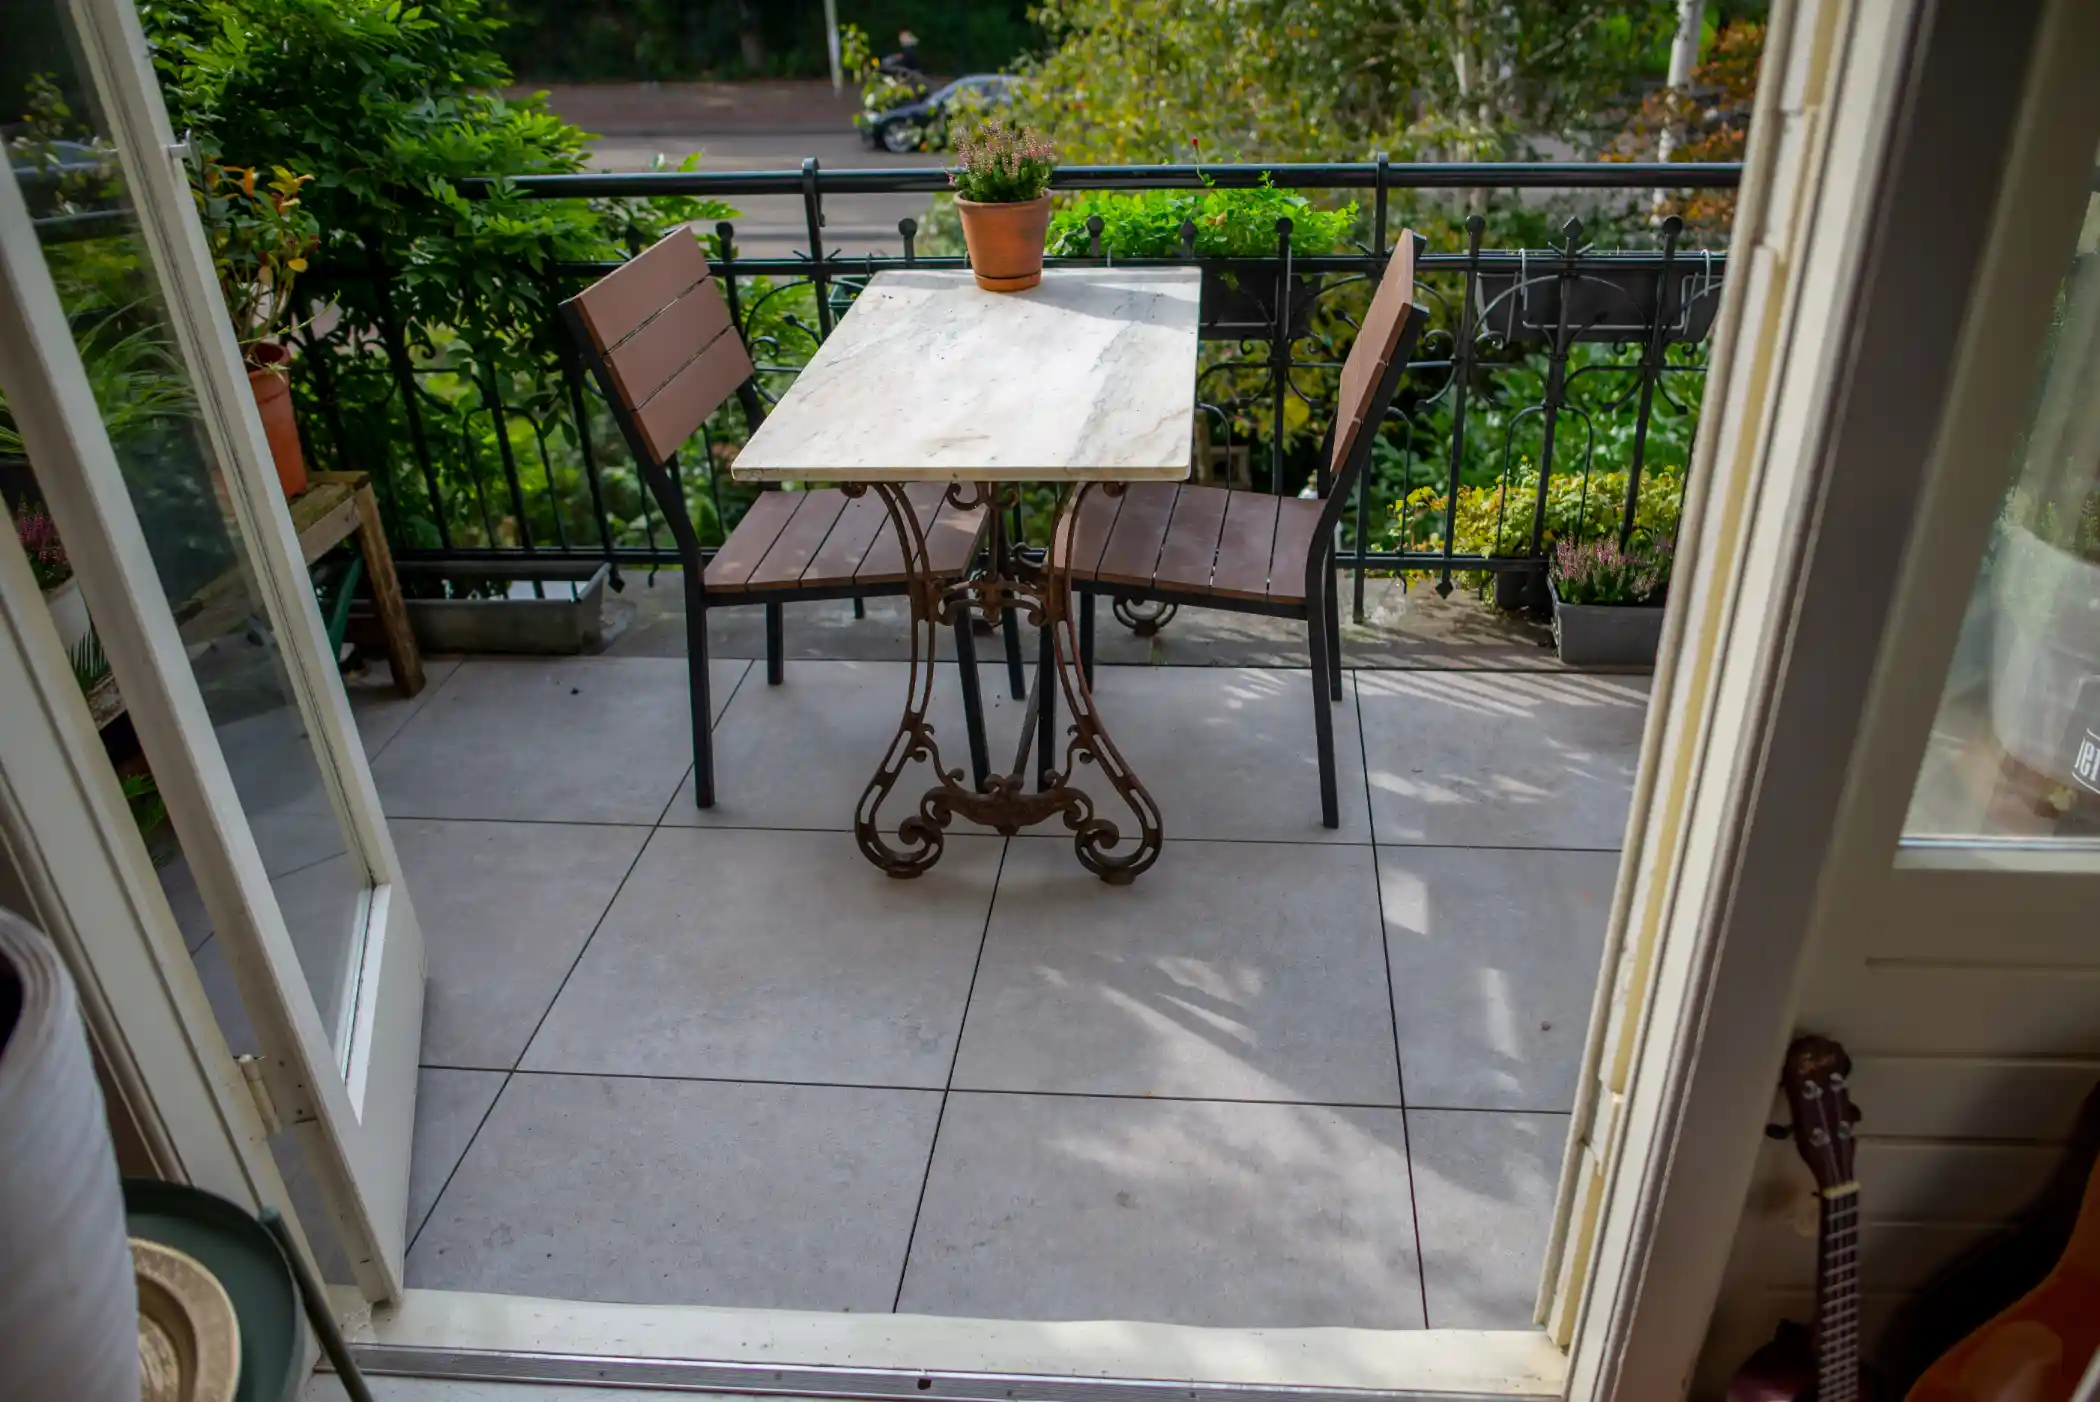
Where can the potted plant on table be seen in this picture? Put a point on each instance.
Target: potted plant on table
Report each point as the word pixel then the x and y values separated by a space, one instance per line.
pixel 1607 602
pixel 1001 191
pixel 54 574
pixel 260 239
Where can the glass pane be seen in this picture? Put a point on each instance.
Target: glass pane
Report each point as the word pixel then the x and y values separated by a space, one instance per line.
pixel 60 156
pixel 2015 750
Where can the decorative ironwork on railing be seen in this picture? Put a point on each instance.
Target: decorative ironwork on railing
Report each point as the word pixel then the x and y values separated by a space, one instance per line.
pixel 1555 396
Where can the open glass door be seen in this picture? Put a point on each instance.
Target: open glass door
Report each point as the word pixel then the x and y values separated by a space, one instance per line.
pixel 123 378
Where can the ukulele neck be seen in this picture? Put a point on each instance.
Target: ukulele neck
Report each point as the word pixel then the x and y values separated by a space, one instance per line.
pixel 1837 1295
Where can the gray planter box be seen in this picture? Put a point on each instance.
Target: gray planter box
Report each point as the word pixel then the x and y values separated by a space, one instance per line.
pixel 571 619
pixel 1606 635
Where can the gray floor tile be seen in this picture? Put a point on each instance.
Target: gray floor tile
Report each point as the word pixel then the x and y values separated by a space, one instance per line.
pixel 449 1108
pixel 1065 1207
pixel 1228 752
pixel 798 755
pixel 777 956
pixel 1495 961
pixel 1234 970
pixel 683 1192
pixel 380 710
pixel 505 909
pixel 1484 1183
pixel 1487 759
pixel 574 739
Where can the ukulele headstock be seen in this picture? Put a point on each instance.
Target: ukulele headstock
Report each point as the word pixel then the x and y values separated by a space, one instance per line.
pixel 1815 1083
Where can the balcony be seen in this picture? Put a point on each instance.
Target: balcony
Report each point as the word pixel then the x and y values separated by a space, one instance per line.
pixel 1292 1077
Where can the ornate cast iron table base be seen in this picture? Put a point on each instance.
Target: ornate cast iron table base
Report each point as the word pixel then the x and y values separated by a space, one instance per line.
pixel 1043 594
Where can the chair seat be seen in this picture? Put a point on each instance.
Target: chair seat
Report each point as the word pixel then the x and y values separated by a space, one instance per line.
pixel 1180 538
pixel 791 542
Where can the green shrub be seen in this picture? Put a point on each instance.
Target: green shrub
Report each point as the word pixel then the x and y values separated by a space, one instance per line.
pixel 1229 223
pixel 1496 519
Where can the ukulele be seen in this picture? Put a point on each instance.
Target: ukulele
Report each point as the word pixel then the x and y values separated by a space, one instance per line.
pixel 1823 1362
pixel 2036 1348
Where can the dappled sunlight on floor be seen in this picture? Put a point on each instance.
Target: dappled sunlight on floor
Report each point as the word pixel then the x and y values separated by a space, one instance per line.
pixel 1292 1076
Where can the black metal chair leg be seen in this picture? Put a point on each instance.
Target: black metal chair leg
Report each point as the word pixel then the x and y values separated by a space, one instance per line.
pixel 1086 637
pixel 973 701
pixel 1046 712
pixel 860 607
pixel 1334 631
pixel 776 644
pixel 696 686
pixel 1323 719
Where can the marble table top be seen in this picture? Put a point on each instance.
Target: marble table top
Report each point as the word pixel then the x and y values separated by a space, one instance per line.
pixel 1090 376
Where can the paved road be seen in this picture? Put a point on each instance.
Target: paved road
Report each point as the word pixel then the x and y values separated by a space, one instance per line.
pixel 750 126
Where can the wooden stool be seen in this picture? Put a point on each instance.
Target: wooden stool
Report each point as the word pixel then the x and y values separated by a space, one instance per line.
pixel 334 507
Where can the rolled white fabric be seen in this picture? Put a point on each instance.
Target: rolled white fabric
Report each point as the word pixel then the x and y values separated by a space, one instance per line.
pixel 68 1300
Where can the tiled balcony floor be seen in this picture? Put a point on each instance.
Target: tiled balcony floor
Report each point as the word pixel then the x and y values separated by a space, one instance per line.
pixel 1290 1077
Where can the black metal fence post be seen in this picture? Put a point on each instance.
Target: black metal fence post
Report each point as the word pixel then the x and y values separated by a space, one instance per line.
pixel 1280 357
pixel 1462 351
pixel 405 380
pixel 1651 372
pixel 1556 378
pixel 813 219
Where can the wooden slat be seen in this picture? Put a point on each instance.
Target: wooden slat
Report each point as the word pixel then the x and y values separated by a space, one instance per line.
pixel 681 406
pixel 860 525
pixel 753 537
pixel 645 361
pixel 1297 523
pixel 951 542
pixel 1092 523
pixel 614 305
pixel 1376 343
pixel 799 541
pixel 1132 552
pixel 1191 546
pixel 884 562
pixel 1245 546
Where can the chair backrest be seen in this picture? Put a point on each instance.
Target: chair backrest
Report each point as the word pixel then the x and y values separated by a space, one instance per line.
pixel 664 344
pixel 1387 336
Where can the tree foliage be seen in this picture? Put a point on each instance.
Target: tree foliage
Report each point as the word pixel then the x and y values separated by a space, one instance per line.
pixel 1151 80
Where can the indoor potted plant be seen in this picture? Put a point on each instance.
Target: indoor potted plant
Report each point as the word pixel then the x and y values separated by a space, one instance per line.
pixel 54 574
pixel 1607 602
pixel 1001 192
pixel 260 238
pixel 2045 628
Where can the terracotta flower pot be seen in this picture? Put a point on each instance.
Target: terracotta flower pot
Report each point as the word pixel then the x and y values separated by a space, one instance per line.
pixel 1006 242
pixel 273 400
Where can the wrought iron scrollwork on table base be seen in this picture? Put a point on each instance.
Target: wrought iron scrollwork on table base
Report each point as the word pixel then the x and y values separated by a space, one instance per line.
pixel 1042 594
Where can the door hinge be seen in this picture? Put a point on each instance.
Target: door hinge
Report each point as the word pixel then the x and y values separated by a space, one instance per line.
pixel 259 1092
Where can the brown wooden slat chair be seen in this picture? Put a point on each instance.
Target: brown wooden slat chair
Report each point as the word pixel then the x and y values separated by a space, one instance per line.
pixel 1254 552
pixel 659 338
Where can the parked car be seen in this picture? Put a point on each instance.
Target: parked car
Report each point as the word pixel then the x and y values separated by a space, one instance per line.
pixel 906 127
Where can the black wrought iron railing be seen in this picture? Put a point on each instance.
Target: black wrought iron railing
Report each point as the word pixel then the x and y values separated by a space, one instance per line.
pixel 1555 396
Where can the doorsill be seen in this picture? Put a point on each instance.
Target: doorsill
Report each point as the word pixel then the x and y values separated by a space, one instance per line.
pixel 515 1338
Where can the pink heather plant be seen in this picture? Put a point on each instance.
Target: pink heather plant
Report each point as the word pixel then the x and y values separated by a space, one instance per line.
pixel 47 554
pixel 999 164
pixel 1599 572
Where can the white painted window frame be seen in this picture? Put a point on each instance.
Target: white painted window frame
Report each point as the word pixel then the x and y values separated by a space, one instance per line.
pixel 1902 246
pixel 1745 773
pixel 353 1111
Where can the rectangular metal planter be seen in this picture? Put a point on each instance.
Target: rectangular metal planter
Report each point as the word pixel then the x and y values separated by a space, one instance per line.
pixel 1606 635
pixel 573 621
pixel 1239 300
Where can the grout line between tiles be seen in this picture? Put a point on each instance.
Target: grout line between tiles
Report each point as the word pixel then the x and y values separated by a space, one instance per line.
pixel 1392 1005
pixel 1146 1096
pixel 511 1073
pixel 419 703
pixel 948 1088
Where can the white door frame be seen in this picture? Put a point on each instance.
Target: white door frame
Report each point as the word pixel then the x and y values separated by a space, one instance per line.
pixel 1902 257
pixel 1818 482
pixel 355 1112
